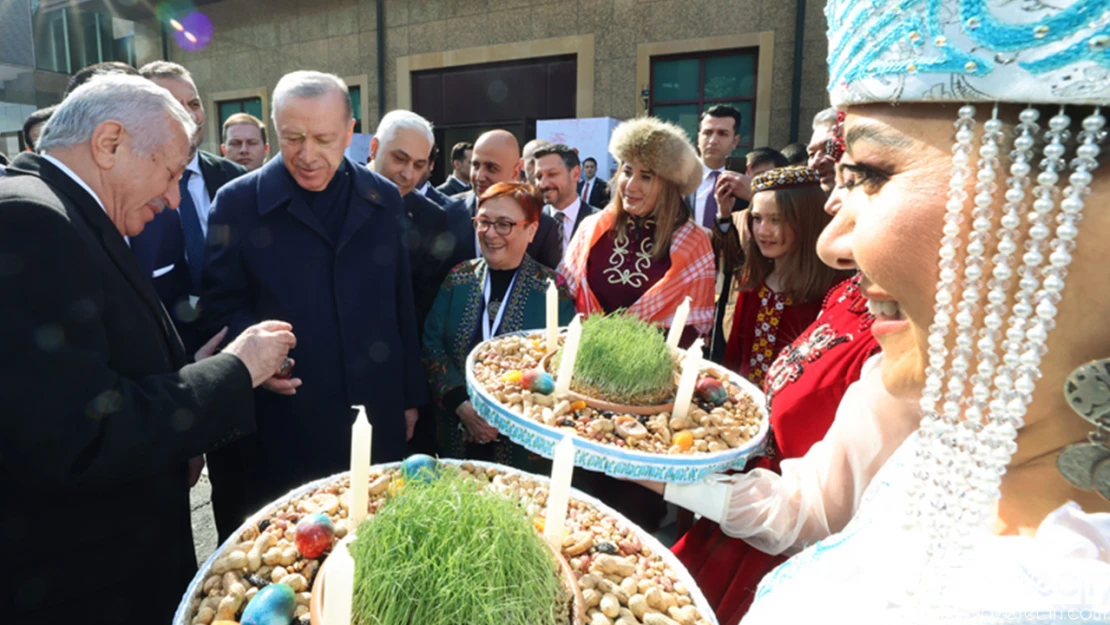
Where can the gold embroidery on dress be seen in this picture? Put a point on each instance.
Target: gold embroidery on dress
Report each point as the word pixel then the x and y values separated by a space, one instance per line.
pixel 634 277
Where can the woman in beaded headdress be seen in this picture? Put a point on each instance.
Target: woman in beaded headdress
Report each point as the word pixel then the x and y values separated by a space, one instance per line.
pixel 991 512
pixel 782 281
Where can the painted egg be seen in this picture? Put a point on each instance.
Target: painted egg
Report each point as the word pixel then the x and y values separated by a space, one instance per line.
pixel 512 377
pixel 538 381
pixel 273 605
pixel 315 535
pixel 712 391
pixel 420 467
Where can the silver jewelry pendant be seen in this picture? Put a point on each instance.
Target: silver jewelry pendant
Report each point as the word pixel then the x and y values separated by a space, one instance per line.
pixel 1088 392
pixel 1077 463
pixel 1101 478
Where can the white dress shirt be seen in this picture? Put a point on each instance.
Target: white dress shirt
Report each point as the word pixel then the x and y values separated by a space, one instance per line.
pixel 199 192
pixel 571 215
pixel 423 189
pixel 705 189
pixel 69 172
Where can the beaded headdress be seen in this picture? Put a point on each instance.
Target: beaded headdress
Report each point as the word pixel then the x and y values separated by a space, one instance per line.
pixel 981 375
pixel 785 178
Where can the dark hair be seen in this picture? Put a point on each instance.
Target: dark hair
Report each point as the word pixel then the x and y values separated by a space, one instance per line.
pixel 523 193
pixel 760 156
pixel 795 154
pixel 458 152
pixel 722 110
pixel 84 75
pixel 565 152
pixel 248 119
pixel 805 278
pixel 40 116
pixel 590 159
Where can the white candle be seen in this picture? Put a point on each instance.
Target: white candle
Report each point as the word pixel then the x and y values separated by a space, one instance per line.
pixel 339 587
pixel 558 496
pixel 690 367
pixel 678 324
pixel 570 354
pixel 552 317
pixel 361 435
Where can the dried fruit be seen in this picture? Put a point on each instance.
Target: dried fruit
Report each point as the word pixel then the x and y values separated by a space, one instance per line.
pixel 684 440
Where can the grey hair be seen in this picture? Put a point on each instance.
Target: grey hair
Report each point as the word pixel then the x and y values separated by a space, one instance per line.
pixel 826 118
pixel 165 69
pixel 396 120
pixel 308 84
pixel 140 106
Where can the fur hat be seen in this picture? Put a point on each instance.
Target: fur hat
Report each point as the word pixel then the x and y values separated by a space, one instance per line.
pixel 661 147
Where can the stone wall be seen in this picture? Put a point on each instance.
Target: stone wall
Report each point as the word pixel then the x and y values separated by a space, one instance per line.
pixel 257 41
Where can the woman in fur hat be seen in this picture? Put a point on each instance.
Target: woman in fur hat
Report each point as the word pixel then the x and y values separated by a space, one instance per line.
pixel 642 253
pixel 782 281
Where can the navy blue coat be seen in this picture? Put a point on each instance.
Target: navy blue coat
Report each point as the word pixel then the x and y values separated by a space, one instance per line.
pixel 351 307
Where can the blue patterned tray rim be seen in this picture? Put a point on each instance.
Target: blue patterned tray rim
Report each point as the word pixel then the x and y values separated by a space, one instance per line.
pixel 615 461
pixel 186 609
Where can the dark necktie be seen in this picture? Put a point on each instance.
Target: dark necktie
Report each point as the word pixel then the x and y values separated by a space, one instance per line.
pixel 561 219
pixel 194 235
pixel 586 192
pixel 709 217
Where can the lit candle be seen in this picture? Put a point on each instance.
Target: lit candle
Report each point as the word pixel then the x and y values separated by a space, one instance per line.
pixel 360 470
pixel 690 367
pixel 552 317
pixel 678 324
pixel 570 354
pixel 339 587
pixel 558 496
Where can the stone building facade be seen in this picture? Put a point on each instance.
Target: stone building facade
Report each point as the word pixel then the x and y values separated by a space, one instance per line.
pixel 609 52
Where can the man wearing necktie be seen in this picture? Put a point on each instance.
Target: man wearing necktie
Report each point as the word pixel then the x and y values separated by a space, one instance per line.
pixel 718 136
pixel 557 172
pixel 592 189
pixel 171 248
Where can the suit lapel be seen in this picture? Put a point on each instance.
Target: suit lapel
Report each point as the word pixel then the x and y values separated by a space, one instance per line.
pixel 211 174
pixel 364 198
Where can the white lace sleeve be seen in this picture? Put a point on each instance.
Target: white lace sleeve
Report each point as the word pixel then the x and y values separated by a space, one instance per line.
pixel 817 494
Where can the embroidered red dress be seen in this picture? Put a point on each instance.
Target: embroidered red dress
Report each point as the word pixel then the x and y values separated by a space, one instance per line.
pixel 804 386
pixel 764 323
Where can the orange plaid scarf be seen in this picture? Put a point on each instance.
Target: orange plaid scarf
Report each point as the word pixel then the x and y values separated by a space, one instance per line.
pixel 691 273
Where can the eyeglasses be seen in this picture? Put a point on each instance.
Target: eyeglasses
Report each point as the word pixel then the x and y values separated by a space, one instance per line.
pixel 500 227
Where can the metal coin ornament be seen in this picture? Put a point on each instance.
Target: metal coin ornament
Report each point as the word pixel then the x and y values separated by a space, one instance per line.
pixel 1087 465
pixel 1102 479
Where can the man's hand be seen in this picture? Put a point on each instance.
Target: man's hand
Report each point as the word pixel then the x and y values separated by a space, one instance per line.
pixel 411 415
pixel 282 386
pixel 210 347
pixel 479 430
pixel 731 185
pixel 262 348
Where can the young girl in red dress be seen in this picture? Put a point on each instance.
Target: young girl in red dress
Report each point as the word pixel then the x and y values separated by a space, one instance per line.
pixel 782 281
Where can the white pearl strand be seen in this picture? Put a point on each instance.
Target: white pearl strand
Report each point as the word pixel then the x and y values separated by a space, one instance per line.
pixel 960 462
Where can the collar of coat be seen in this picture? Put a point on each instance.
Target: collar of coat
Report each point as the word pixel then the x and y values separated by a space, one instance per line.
pixel 276 186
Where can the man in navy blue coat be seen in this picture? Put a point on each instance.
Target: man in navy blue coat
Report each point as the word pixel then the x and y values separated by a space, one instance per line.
pixel 316 239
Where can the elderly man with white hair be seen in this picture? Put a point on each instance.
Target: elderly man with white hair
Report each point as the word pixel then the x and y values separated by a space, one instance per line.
pixel 318 240
pixel 102 408
pixel 400 152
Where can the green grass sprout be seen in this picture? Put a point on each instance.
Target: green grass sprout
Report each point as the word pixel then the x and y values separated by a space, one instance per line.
pixel 448 553
pixel 624 360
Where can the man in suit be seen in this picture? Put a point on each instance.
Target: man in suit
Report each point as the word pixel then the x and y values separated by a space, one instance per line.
pixel 32 126
pixel 317 240
pixel 244 141
pixel 593 190
pixel 557 174
pixel 171 248
pixel 425 188
pixel 459 180
pixel 101 406
pixel 400 152
pixel 496 159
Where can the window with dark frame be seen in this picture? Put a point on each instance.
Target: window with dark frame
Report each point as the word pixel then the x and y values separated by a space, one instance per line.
pixel 355 93
pixel 227 108
pixel 684 85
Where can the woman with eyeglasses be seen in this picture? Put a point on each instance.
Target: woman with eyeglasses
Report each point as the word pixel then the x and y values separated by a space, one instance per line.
pixel 501 292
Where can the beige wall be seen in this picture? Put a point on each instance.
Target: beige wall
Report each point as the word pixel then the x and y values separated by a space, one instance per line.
pixel 257 41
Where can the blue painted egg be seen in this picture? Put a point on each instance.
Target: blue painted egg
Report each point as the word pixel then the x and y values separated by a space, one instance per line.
pixel 420 467
pixel 273 605
pixel 538 381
